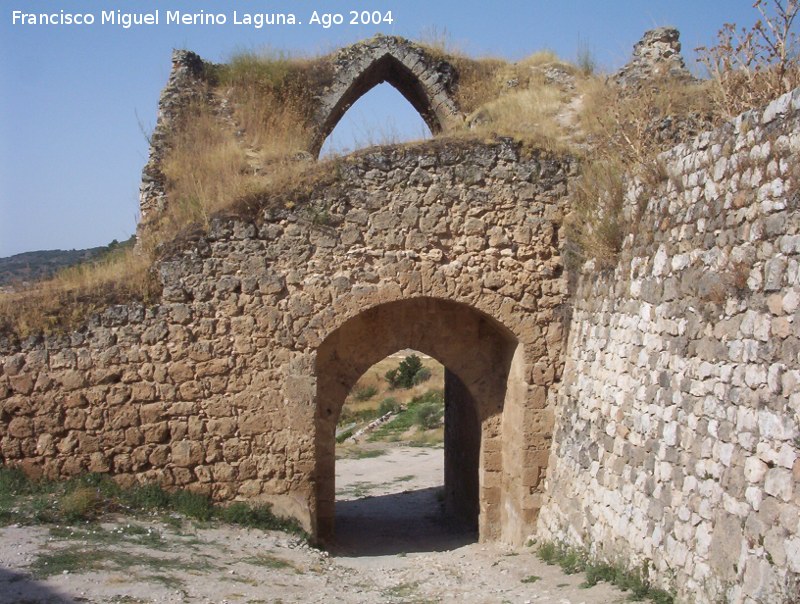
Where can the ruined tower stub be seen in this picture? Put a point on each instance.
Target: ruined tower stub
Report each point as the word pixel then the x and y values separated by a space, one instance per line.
pixel 657 55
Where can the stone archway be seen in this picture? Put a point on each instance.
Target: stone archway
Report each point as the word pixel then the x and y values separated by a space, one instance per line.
pixel 479 354
pixel 423 80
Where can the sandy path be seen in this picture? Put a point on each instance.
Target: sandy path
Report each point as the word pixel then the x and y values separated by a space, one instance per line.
pixel 392 547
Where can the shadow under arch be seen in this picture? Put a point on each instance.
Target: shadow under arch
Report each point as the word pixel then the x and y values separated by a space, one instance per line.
pixel 430 101
pixel 479 355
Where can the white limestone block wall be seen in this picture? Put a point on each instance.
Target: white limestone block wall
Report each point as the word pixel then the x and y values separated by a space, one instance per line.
pixel 678 427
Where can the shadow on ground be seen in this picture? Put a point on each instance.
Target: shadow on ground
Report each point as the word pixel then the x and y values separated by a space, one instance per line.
pixel 18 588
pixel 412 521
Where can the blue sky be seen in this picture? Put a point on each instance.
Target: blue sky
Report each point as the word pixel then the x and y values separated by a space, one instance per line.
pixel 78 101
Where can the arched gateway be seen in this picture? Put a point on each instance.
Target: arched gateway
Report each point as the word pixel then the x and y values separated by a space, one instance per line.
pixel 480 381
pixel 232 383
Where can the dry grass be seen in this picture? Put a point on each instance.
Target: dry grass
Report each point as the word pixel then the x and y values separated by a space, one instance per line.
pixel 63 302
pixel 529 114
pixel 477 81
pixel 236 152
pixel 595 225
pixel 750 67
pixel 241 146
pixel 205 167
pixel 625 131
pixel 542 58
pixel 270 96
pixel 637 125
pixel 374 378
pixel 487 80
pixel 528 100
pixel 734 92
pixel 244 138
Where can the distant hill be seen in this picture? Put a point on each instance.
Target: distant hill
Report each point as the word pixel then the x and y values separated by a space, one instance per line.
pixel 32 266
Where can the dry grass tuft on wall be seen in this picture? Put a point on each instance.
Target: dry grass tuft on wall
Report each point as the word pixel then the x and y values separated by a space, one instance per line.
pixel 625 130
pixel 596 225
pixel 270 100
pixel 528 100
pixel 205 167
pixel 628 128
pixel 750 67
pixel 63 302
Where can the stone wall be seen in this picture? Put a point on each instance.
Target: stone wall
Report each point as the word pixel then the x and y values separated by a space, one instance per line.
pixel 677 413
pixel 678 420
pixel 219 388
pixel 657 56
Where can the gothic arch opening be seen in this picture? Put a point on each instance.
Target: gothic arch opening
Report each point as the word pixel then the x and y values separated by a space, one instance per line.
pixel 482 381
pixel 385 69
pixel 382 116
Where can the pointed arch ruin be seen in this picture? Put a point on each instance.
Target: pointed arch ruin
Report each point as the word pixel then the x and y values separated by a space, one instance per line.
pixel 424 81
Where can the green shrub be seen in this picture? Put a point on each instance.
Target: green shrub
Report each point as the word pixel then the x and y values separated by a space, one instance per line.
pixel 343 436
pixel 238 513
pixel 102 483
pixel 81 503
pixel 428 416
pixel 193 505
pixel 406 418
pixel 422 375
pixel 431 396
pixel 365 415
pixel 87 497
pixel 403 375
pixel 393 377
pixel 146 497
pixel 388 405
pixel 548 553
pixel 13 482
pixel 256 516
pixel 42 508
pixel 595 573
pixel 575 560
pixel 362 415
pixel 365 393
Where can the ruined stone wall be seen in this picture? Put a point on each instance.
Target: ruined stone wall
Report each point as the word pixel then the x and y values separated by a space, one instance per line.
pixel 215 388
pixel 338 81
pixel 185 86
pixel 678 421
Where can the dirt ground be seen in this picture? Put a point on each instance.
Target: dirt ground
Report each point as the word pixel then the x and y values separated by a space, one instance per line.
pixel 392 546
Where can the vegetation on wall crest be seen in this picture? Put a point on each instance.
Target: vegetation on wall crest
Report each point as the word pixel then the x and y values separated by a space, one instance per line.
pixel 243 147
